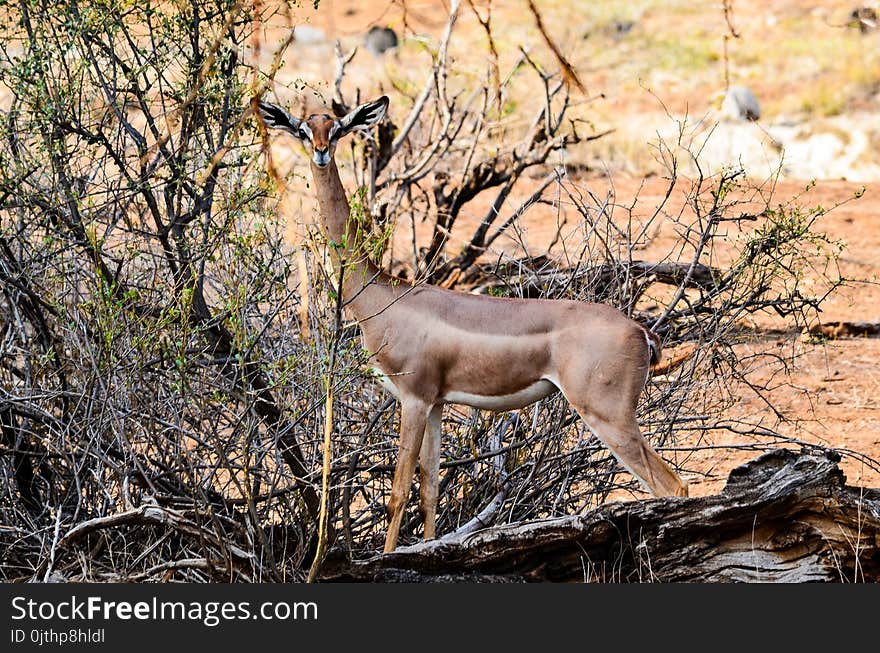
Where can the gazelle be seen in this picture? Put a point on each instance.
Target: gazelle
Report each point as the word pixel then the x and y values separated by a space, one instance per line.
pixel 432 346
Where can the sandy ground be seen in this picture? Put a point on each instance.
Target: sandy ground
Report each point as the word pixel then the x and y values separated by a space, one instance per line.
pixel 831 394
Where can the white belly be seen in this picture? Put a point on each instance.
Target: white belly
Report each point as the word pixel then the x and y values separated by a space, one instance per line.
pixel 524 397
pixel 529 395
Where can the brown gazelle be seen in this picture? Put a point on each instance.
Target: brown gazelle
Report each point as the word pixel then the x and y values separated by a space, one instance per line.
pixel 432 346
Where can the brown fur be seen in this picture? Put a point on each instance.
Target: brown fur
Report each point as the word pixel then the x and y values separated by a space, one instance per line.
pixel 429 341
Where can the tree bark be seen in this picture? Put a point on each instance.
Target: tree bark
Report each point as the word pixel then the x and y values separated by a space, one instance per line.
pixel 543 280
pixel 835 330
pixel 783 517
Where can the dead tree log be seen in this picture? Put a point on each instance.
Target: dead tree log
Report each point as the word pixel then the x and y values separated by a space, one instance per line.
pixel 835 330
pixel 538 277
pixel 784 517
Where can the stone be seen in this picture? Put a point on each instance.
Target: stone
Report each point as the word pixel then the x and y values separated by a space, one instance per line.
pixel 740 103
pixel 380 39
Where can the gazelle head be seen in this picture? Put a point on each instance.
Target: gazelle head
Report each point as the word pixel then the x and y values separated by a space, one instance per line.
pixel 320 131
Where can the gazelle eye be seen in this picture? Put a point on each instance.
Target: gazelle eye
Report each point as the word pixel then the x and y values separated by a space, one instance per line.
pixel 304 133
pixel 333 130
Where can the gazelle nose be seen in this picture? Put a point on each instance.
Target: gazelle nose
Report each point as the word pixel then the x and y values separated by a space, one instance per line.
pixel 321 156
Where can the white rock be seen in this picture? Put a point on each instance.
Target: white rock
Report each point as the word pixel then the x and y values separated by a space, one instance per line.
pixel 740 104
pixel 308 35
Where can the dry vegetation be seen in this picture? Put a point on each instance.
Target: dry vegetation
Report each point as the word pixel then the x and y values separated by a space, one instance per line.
pixel 169 333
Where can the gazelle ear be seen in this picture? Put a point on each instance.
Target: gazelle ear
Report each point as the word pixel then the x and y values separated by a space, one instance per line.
pixel 364 116
pixel 277 118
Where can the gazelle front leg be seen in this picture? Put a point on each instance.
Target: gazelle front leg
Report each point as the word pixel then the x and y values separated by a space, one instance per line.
pixel 429 466
pixel 413 419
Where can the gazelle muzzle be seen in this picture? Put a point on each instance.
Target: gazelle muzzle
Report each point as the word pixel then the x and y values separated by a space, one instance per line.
pixel 321 157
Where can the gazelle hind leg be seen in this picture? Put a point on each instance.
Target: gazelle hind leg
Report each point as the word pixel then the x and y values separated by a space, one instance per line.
pixel 632 450
pixel 429 466
pixel 413 418
pixel 605 395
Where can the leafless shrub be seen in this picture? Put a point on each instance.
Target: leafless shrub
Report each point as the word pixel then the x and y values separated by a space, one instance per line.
pixel 142 285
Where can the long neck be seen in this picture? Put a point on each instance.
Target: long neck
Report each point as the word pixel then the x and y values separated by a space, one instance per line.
pixel 345 234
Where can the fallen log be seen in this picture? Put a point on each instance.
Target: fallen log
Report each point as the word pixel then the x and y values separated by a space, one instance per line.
pixel 783 517
pixel 538 277
pixel 835 330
